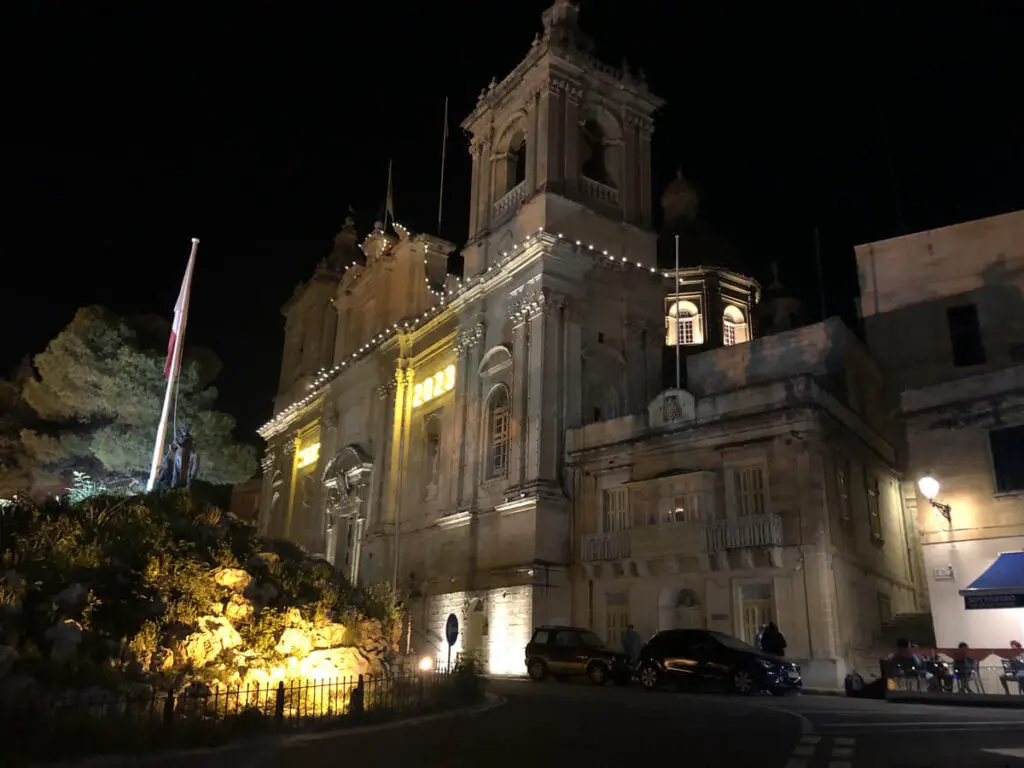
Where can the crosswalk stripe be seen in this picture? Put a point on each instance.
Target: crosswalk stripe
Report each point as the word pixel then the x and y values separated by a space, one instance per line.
pixel 1014 752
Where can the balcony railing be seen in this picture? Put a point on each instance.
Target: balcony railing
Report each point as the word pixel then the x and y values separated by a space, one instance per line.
pixel 743 533
pixel 596 547
pixel 510 200
pixel 602 193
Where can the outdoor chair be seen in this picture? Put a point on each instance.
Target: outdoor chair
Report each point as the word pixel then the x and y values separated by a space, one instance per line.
pixel 1009 675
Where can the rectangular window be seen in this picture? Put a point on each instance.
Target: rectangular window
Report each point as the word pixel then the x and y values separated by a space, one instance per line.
pixel 685 509
pixel 884 609
pixel 843 488
pixel 874 513
pixel 750 489
pixel 965 335
pixel 1008 458
pixel 729 331
pixel 615 515
pixel 686 330
pixel 499 441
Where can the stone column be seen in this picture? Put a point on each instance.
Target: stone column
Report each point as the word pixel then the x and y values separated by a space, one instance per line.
pixel 646 129
pixel 375 511
pixel 267 464
pixel 487 199
pixel 288 486
pixel 571 128
pixel 552 117
pixel 474 189
pixel 467 398
pixel 533 140
pixel 545 379
pixel 631 174
pixel 317 528
pixel 573 319
pixel 519 393
pixel 399 432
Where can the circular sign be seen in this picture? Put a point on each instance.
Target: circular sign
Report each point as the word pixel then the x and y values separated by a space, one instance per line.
pixel 451 629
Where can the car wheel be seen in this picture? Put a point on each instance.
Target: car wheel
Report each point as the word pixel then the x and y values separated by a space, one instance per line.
pixel 649 677
pixel 742 682
pixel 538 670
pixel 598 674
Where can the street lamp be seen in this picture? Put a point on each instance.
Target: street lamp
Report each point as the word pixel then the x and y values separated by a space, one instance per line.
pixel 929 487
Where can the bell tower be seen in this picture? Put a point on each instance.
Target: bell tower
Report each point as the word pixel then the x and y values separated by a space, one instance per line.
pixel 563 143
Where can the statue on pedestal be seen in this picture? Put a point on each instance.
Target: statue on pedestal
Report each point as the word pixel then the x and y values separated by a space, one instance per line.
pixel 181 462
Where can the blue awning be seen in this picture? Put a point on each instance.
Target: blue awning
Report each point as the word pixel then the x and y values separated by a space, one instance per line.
pixel 1000 586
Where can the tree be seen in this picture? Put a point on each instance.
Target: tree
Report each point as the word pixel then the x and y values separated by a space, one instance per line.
pixel 15 463
pixel 98 389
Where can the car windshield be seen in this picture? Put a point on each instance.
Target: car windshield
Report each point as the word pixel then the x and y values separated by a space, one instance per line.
pixel 590 640
pixel 732 642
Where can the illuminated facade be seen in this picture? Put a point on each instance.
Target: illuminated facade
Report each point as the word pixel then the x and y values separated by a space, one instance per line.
pixel 427 427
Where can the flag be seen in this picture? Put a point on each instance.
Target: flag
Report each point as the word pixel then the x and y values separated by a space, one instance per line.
pixel 180 309
pixel 389 203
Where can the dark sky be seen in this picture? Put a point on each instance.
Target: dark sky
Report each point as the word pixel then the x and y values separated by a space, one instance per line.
pixel 133 126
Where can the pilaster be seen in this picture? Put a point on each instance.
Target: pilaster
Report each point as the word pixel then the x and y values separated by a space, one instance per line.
pixel 632 173
pixel 474 189
pixel 381 461
pixel 520 391
pixel 573 95
pixel 545 380
pixel 646 130
pixel 574 315
pixel 399 439
pixel 533 142
pixel 468 410
pixel 288 468
pixel 267 464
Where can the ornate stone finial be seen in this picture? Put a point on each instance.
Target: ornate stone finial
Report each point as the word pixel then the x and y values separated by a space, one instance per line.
pixel 562 28
pixel 493 84
pixel 536 40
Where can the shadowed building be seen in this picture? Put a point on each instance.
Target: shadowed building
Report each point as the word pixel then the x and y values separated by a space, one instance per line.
pixel 944 315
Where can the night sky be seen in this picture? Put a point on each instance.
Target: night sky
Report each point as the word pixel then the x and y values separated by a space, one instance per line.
pixel 132 127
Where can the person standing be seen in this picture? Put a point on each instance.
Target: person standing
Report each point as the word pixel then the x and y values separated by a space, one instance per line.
pixel 773 641
pixel 632 643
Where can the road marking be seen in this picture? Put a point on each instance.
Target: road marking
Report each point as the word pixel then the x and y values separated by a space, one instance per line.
pixel 934 724
pixel 795 763
pixel 839 764
pixel 843 752
pixel 810 739
pixel 803 751
pixel 1017 752
pixel 845 742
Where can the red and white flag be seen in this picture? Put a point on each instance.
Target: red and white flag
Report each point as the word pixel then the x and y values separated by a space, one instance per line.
pixel 180 313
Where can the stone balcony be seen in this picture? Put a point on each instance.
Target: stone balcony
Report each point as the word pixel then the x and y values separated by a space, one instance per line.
pixel 510 201
pixel 599 192
pixel 684 547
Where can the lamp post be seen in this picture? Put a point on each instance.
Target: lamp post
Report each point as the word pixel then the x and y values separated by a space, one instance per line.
pixel 929 488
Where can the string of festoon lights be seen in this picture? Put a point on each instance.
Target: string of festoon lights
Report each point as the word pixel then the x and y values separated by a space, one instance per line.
pixel 445 296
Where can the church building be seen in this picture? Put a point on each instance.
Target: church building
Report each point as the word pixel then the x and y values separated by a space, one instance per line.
pixel 572 430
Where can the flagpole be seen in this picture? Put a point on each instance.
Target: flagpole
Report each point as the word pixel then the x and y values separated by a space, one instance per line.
pixel 387 198
pixel 444 152
pixel 679 356
pixel 179 341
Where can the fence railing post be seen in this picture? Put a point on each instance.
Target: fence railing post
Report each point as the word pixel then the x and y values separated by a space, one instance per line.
pixel 279 704
pixel 169 708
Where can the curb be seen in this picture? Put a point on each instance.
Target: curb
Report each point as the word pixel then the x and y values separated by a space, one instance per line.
pixel 956 700
pixel 261 743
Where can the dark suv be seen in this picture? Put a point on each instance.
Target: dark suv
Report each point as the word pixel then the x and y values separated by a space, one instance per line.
pixel 565 652
pixel 704 658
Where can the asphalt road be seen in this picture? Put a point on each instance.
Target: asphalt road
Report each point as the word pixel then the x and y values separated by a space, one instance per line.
pixel 548 724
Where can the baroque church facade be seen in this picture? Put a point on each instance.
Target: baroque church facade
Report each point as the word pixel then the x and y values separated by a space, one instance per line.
pixel 573 431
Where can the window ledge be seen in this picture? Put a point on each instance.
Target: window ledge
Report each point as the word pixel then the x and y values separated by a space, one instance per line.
pixel 1008 495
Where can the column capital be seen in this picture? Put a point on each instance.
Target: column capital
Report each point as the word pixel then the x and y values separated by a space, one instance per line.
pixel 268 460
pixel 469 339
pixel 330 419
pixel 288 449
pixel 387 389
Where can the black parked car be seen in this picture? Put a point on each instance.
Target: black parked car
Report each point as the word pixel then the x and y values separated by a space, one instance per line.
pixel 703 658
pixel 565 652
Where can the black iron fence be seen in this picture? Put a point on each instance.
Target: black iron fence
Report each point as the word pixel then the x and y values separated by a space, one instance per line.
pixel 92 722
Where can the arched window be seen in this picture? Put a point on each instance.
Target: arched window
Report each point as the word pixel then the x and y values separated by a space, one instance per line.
pixel 684 319
pixel 595 153
pixel 497 436
pixel 515 161
pixel 734 326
